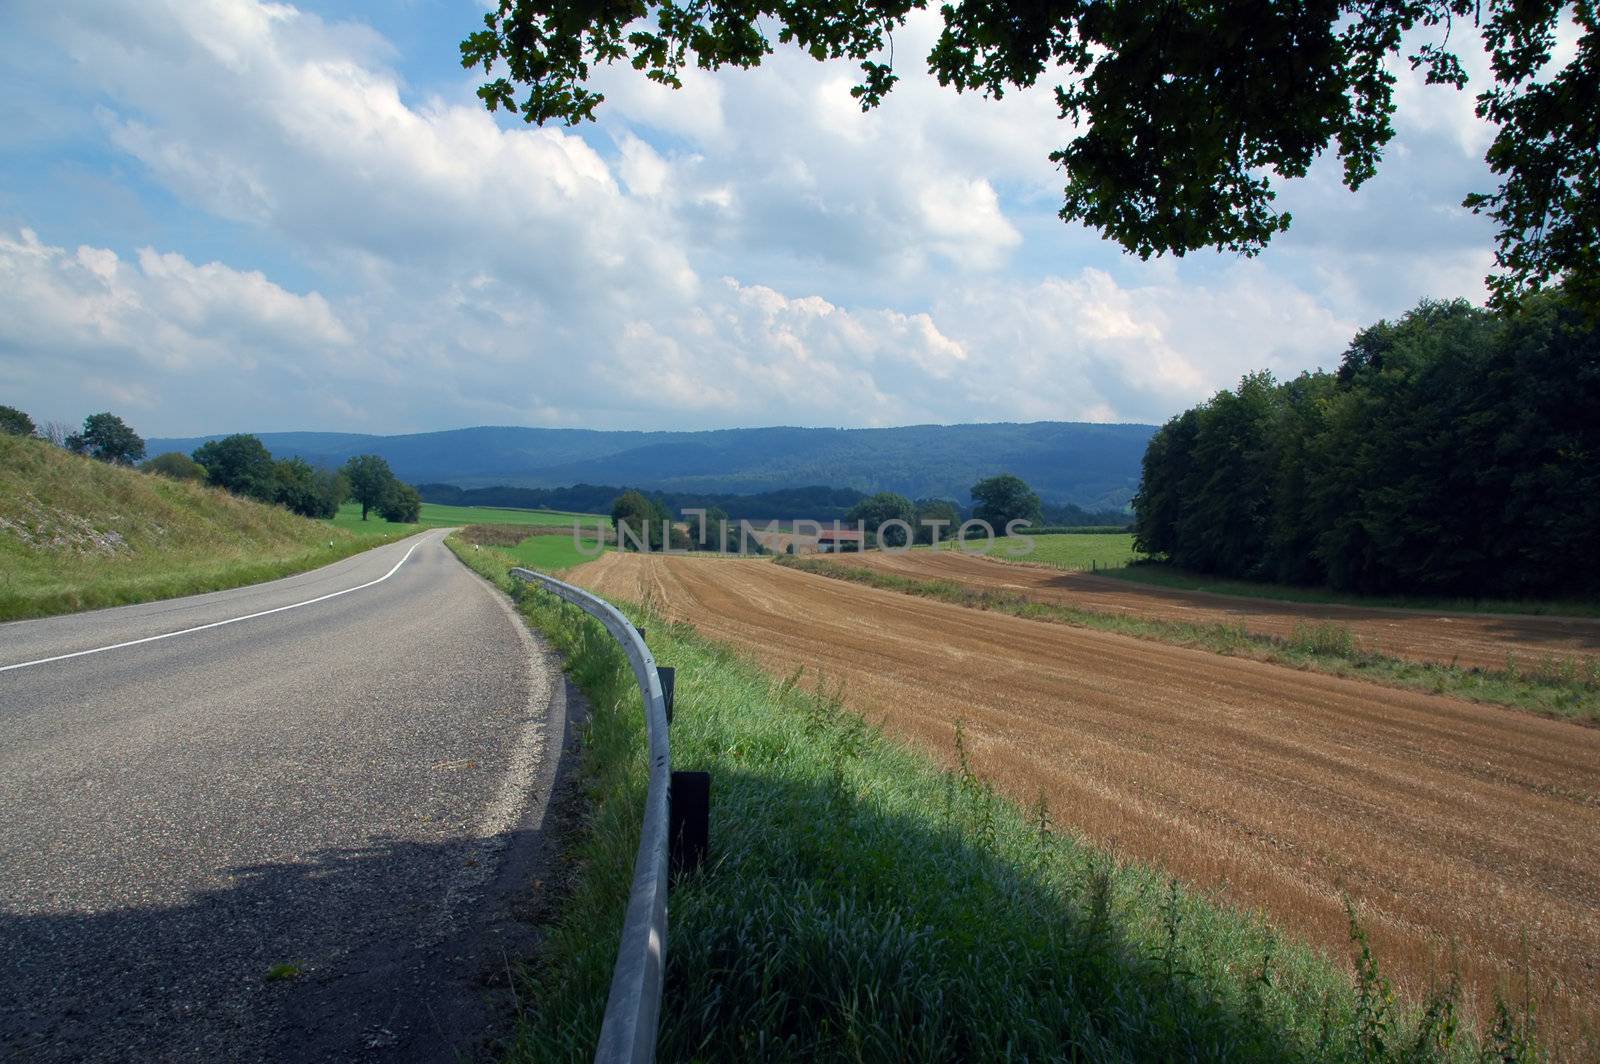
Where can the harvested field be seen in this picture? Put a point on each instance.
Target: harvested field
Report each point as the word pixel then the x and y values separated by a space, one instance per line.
pixel 1482 640
pixel 1446 821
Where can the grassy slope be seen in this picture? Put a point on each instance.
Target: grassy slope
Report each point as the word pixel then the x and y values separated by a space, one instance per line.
pixel 78 534
pixel 1568 689
pixel 864 903
pixel 1162 575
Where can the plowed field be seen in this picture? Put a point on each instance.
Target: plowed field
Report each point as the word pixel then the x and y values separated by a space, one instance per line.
pixel 1278 789
pixel 1466 639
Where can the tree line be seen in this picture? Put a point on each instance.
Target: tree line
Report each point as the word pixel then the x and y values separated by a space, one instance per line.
pixel 647 521
pixel 813 503
pixel 240 464
pixel 1455 451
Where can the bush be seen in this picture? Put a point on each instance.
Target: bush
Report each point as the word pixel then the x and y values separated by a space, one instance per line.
pixel 14 422
pixel 402 504
pixel 175 465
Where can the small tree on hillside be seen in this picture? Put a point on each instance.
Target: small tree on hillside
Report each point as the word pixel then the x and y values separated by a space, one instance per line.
pixel 1002 499
pixel 55 432
pixel 175 466
pixel 370 478
pixel 14 422
pixel 107 437
pixel 876 510
pixel 240 463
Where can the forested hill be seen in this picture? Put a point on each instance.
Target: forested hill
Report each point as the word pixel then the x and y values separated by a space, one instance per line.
pixel 1093 466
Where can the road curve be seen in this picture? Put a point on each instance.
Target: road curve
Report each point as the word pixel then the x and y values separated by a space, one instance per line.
pixel 349 783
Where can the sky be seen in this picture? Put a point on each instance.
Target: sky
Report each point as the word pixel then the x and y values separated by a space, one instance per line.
pixel 225 215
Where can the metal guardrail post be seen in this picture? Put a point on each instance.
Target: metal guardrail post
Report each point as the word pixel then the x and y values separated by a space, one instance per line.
pixel 633 1010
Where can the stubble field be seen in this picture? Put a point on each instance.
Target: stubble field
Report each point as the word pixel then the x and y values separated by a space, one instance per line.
pixel 1468 835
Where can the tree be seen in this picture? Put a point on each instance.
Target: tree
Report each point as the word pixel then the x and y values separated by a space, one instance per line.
pixel 709 536
pixel 307 491
pixel 643 517
pixel 946 513
pixel 1182 114
pixel 176 466
pixel 1002 499
pixel 369 477
pixel 401 503
pixel 875 511
pixel 241 464
pixel 56 432
pixel 14 422
pixel 107 437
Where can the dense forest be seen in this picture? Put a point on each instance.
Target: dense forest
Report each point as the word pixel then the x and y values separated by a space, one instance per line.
pixel 1455 451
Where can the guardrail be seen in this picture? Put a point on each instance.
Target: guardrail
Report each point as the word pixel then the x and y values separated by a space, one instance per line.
pixel 673 835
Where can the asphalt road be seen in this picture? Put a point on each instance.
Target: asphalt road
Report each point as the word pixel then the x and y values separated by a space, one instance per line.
pixel 355 787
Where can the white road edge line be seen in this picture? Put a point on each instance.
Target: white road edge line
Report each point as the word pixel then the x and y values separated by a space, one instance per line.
pixel 218 624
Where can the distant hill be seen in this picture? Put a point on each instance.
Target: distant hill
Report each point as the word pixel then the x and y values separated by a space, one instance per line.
pixel 1088 465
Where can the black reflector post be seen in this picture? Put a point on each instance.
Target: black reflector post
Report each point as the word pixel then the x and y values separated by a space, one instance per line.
pixel 669 684
pixel 688 821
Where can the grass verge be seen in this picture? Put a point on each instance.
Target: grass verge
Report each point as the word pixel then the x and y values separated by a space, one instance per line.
pixel 863 903
pixel 1161 574
pixel 1565 688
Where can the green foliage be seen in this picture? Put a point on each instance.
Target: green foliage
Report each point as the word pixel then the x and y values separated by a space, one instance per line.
pixel 1182 115
pixel 370 480
pixel 240 463
pixel 175 465
pixel 877 510
pixel 1002 499
pixel 400 503
pixel 641 520
pixel 943 511
pixel 14 422
pixel 706 531
pixel 107 437
pixel 309 492
pixel 1455 452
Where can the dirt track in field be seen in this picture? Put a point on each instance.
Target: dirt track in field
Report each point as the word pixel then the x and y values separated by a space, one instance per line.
pixel 1467 639
pixel 1278 788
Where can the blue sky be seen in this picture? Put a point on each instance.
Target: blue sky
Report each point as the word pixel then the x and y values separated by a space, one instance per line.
pixel 224 215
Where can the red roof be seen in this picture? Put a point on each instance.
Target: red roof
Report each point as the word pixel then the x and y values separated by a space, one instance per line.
pixel 838 534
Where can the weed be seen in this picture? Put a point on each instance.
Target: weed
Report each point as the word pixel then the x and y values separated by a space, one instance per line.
pixel 283 972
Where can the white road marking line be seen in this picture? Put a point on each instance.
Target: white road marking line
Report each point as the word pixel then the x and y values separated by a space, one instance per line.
pixel 217 624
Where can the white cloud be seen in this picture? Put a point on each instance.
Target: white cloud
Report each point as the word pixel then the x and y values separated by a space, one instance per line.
pixel 751 250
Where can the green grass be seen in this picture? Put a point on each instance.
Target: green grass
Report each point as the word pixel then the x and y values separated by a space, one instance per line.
pixel 1566 688
pixel 434 515
pixel 861 903
pixel 1161 574
pixel 1073 550
pixel 552 553
pixel 77 534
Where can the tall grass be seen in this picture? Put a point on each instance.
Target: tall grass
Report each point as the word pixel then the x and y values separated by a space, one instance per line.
pixel 1566 688
pixel 862 902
